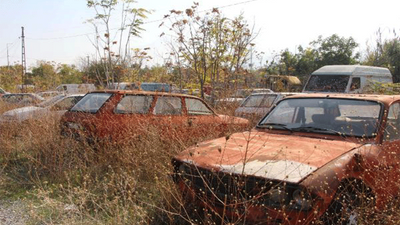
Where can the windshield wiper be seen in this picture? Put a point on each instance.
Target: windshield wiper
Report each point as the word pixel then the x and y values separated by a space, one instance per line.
pixel 311 129
pixel 270 125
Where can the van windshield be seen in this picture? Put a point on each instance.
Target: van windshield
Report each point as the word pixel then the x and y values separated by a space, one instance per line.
pixel 91 103
pixel 327 83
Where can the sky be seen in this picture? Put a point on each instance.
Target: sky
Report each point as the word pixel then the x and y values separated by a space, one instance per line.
pixel 56 30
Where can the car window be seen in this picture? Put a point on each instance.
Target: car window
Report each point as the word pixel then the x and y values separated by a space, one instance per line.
pixel 91 103
pixel 268 100
pixel 167 105
pixel 336 116
pixel 327 83
pixel 13 98
pixel 196 107
pixel 50 101
pixel 138 104
pixel 253 101
pixel 393 123
pixel 67 103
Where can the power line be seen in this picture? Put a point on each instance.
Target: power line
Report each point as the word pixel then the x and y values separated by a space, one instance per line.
pixel 148 22
pixel 12 45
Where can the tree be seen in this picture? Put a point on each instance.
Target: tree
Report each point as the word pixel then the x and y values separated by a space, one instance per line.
pixel 335 50
pixel 385 53
pixel 10 77
pixel 69 74
pixel 113 49
pixel 44 75
pixel 212 46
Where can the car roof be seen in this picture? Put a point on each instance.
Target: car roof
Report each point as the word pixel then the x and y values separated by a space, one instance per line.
pixel 387 99
pixel 144 93
pixel 275 93
pixel 357 70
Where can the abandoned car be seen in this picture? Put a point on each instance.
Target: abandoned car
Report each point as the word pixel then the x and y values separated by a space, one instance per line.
pixel 313 157
pixel 21 99
pixel 255 106
pixel 119 114
pixel 52 108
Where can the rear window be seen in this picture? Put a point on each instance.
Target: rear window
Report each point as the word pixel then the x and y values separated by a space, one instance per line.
pixel 91 103
pixel 196 107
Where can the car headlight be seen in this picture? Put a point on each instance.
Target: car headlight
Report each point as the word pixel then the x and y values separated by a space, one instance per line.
pixel 302 200
pixel 278 195
pixel 75 126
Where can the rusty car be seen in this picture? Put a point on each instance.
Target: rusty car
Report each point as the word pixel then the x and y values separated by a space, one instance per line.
pixel 117 115
pixel 313 159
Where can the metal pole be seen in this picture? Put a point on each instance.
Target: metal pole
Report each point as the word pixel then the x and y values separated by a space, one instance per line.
pixel 8 58
pixel 23 61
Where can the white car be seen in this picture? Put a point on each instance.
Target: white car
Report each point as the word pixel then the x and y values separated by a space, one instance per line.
pixel 55 106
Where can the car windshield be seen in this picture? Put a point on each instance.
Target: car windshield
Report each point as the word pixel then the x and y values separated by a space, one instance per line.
pixel 327 83
pixel 50 101
pixel 346 117
pixel 91 103
pixel 259 101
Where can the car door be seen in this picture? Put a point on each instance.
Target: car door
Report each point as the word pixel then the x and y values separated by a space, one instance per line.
pixel 130 116
pixel 201 120
pixel 168 117
pixel 390 155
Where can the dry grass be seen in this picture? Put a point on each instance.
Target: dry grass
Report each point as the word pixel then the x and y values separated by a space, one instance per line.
pixel 70 182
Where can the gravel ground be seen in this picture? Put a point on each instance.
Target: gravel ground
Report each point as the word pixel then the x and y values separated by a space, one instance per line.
pixel 13 213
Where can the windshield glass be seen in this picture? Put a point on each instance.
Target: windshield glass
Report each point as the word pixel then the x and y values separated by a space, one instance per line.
pixel 253 101
pixel 320 115
pixel 327 83
pixel 91 102
pixel 50 101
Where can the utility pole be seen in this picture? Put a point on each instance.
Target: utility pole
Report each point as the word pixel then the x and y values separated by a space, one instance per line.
pixel 8 58
pixel 87 69
pixel 23 61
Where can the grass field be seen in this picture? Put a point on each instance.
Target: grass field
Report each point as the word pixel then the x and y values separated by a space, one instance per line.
pixel 64 181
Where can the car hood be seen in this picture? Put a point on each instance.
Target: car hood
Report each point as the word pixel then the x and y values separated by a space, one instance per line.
pixel 273 156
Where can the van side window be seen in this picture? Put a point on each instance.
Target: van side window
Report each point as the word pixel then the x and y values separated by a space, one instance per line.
pixel 355 83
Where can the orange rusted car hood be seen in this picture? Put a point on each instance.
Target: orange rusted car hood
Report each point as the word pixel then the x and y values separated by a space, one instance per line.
pixel 274 156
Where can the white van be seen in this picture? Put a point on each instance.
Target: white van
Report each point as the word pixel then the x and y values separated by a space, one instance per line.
pixel 346 78
pixel 75 88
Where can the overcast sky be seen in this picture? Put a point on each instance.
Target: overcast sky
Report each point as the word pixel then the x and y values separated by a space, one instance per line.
pixel 55 29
